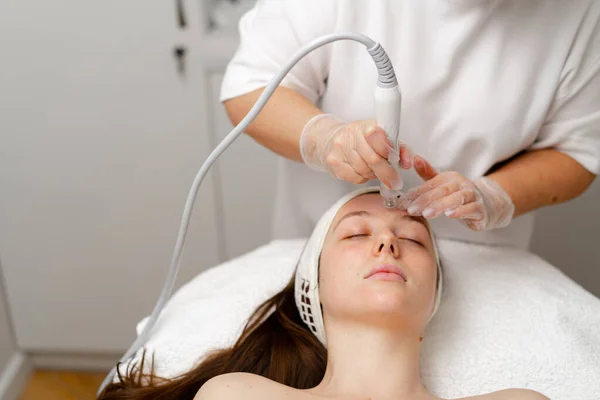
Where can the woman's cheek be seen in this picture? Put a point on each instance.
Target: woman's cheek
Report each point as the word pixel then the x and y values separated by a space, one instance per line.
pixel 427 271
pixel 357 243
pixel 353 253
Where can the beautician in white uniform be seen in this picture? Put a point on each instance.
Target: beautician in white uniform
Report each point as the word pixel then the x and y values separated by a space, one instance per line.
pixel 501 97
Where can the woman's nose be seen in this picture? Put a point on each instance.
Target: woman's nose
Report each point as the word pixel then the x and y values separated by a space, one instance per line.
pixel 387 244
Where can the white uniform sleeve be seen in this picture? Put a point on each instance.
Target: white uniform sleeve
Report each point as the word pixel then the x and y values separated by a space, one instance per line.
pixel 270 34
pixel 573 124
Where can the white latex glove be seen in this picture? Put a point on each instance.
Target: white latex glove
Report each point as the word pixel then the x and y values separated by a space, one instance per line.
pixel 481 204
pixel 356 152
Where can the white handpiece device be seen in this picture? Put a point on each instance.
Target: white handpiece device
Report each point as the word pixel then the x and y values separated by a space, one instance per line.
pixel 388 102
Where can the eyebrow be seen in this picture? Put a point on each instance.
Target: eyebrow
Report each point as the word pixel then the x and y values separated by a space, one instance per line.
pixel 352 214
pixel 363 213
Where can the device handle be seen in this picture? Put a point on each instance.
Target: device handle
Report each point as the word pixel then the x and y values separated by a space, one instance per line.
pixel 388 103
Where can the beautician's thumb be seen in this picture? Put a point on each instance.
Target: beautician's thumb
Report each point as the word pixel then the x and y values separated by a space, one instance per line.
pixel 377 139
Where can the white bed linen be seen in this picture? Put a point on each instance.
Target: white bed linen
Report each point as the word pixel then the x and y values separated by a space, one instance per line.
pixel 507 319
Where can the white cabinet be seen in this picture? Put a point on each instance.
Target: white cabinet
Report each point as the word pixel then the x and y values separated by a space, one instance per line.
pixel 100 141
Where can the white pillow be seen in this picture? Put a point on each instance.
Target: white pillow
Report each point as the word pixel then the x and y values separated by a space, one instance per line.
pixel 507 319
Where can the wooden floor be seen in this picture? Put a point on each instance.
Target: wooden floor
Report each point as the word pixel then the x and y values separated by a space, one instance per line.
pixel 62 385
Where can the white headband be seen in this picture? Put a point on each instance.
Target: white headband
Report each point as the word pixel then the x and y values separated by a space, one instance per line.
pixel 307 271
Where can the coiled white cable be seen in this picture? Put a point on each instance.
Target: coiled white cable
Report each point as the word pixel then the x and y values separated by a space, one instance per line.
pixel 386 79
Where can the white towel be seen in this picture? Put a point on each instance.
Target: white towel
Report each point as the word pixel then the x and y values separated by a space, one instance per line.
pixel 507 319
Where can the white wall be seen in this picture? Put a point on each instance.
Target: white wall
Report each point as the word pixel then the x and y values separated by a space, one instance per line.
pixel 100 140
pixel 568 236
pixel 247 172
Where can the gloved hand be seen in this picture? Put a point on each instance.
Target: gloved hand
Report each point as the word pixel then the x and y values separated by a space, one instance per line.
pixel 481 204
pixel 356 152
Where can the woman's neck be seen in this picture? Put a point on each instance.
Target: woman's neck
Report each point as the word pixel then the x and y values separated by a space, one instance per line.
pixel 372 363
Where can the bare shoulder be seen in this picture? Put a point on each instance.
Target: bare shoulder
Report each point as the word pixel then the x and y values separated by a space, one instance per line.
pixel 240 385
pixel 511 394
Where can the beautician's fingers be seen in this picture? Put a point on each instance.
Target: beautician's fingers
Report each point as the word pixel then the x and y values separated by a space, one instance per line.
pixel 344 171
pixel 360 166
pixel 475 225
pixel 343 161
pixel 423 168
pixel 379 165
pixel 473 215
pixel 435 182
pixel 472 211
pixel 486 205
pixel 376 138
pixel 432 188
pixel 327 141
pixel 418 206
pixel 448 203
pixel 405 156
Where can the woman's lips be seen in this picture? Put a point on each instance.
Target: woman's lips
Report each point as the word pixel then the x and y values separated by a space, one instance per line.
pixel 387 272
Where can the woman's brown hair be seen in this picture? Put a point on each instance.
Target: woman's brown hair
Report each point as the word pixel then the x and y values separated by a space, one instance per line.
pixel 275 344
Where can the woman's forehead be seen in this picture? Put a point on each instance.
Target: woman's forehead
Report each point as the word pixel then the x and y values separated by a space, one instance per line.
pixel 372 203
pixel 371 200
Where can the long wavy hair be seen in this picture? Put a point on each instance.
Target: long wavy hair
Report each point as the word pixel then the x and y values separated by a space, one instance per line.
pixel 275 344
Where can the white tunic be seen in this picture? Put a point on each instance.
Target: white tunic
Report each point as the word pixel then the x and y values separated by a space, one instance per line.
pixel 482 80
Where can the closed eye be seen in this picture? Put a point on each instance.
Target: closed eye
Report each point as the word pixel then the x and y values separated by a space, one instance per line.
pixel 412 240
pixel 356 236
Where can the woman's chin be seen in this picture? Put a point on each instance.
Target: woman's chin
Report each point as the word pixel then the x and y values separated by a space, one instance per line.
pixel 388 300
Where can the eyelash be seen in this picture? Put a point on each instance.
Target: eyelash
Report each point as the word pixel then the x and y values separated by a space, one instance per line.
pixel 413 240
pixel 355 236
